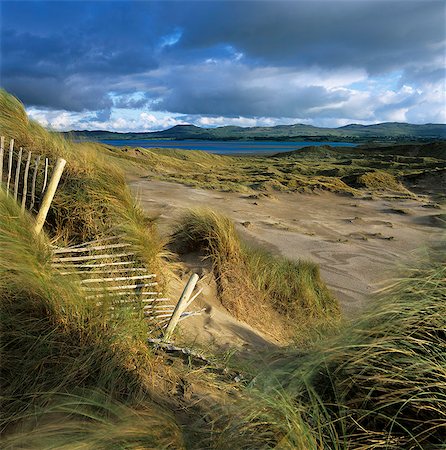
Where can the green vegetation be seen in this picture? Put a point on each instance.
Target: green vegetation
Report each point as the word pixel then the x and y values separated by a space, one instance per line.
pixel 388 132
pixel 384 171
pixel 54 342
pixel 93 198
pixel 380 384
pixel 75 374
pixel 283 298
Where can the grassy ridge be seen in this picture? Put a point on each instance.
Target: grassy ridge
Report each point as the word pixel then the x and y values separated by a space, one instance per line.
pixel 307 170
pixel 92 199
pixel 54 342
pixel 281 297
pixel 380 384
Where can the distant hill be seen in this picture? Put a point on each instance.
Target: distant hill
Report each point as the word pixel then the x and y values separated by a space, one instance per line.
pixel 389 131
pixel 435 150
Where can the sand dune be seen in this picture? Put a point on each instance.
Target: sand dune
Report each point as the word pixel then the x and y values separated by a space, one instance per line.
pixel 359 243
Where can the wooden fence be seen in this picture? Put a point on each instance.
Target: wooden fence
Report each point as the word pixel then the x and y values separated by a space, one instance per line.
pixel 107 268
pixel 31 179
pixel 109 271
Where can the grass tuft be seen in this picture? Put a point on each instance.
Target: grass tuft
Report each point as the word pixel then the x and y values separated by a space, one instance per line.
pixel 278 296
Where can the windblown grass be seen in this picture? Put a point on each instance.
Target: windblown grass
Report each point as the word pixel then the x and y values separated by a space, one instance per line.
pixel 53 340
pixel 276 295
pixel 381 181
pixel 92 199
pixel 380 385
pixel 92 420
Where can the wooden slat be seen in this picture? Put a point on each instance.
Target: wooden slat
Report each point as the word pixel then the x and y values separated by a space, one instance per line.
pixel 11 151
pixel 157 299
pixel 60 251
pixel 107 280
pixel 96 241
pixel 25 181
pixel 152 317
pixel 139 296
pixel 150 307
pixel 92 266
pixel 91 257
pixel 33 184
pixel 45 177
pixel 17 173
pixel 2 150
pixel 119 288
pixel 102 272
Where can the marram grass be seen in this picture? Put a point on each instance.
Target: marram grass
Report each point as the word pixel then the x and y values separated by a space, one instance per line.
pixel 92 199
pixel 381 384
pixel 53 340
pixel 278 296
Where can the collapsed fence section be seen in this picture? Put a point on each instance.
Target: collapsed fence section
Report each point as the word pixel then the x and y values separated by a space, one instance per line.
pixel 109 273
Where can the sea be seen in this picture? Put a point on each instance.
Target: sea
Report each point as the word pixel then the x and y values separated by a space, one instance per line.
pixel 225 147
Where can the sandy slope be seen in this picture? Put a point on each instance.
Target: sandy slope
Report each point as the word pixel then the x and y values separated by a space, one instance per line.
pixel 358 243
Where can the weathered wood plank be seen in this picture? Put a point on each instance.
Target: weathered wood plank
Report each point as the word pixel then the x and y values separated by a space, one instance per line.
pixel 25 181
pixel 96 241
pixel 92 266
pixel 45 177
pixel 2 150
pixel 11 151
pixel 137 296
pixel 17 173
pixel 181 305
pixel 102 272
pixel 33 184
pixel 107 280
pixel 91 257
pixel 60 251
pixel 119 288
pixel 49 195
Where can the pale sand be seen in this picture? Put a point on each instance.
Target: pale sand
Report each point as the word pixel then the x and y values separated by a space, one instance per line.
pixel 358 243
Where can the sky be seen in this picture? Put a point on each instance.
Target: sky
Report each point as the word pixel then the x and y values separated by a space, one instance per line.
pixel 150 65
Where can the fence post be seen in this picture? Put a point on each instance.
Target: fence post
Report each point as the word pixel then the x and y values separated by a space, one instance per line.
pixel 181 306
pixel 11 150
pixel 49 195
pixel 2 145
pixel 17 174
pixel 25 182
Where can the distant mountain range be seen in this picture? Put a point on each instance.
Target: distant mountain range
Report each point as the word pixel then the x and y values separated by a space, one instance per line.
pixel 389 131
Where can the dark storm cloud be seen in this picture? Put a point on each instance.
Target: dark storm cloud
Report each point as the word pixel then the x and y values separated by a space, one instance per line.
pixel 233 90
pixel 375 35
pixel 71 57
pixel 95 55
